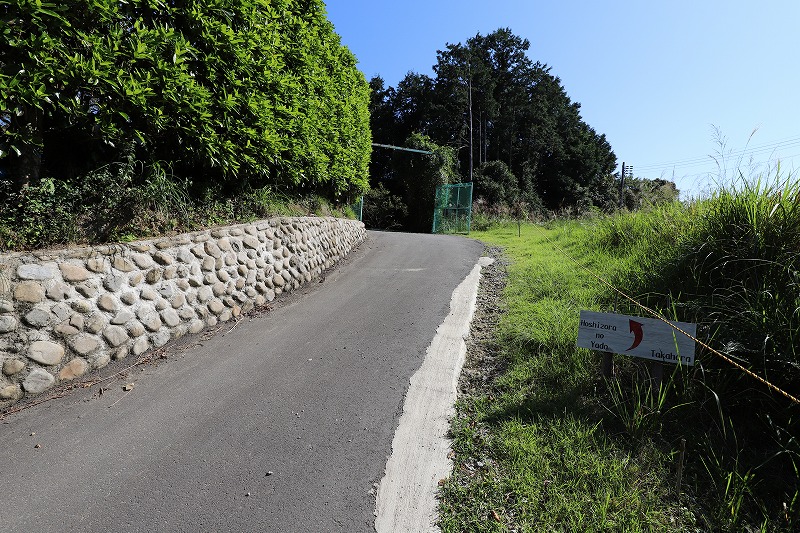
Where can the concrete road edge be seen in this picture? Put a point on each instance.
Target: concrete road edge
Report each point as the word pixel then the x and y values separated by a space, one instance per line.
pixel 406 497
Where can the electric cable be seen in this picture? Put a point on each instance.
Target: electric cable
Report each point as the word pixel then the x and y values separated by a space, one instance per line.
pixel 789 142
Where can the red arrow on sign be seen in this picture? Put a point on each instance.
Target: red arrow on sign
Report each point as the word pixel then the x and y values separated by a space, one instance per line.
pixel 636 329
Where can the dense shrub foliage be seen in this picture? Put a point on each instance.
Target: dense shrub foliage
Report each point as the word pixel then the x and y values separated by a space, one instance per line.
pixel 731 264
pixel 383 210
pixel 215 94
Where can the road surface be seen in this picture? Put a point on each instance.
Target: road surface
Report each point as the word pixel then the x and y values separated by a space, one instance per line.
pixel 282 423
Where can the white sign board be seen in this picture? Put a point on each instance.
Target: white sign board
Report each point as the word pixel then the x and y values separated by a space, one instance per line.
pixel 648 338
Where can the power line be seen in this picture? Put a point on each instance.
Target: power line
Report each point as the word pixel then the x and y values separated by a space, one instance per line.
pixel 696 161
pixel 708 172
pixel 721 160
pixel 767 146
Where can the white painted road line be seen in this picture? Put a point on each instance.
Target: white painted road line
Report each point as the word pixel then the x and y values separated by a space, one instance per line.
pixel 406 499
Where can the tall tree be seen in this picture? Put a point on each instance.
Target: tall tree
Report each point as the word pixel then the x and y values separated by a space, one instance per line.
pixel 523 113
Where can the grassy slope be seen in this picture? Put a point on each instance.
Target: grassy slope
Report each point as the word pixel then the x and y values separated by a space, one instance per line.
pixel 551 446
pixel 540 454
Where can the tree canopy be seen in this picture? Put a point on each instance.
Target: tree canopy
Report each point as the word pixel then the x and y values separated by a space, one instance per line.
pixel 521 116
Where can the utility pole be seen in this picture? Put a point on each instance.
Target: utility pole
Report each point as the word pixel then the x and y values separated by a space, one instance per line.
pixel 511 137
pixel 469 67
pixel 480 137
pixel 626 171
pixel 607 365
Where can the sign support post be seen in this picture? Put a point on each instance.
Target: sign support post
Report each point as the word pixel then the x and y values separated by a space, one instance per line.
pixel 657 373
pixel 608 364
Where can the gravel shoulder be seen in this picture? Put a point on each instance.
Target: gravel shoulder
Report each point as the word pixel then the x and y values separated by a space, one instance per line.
pixel 483 362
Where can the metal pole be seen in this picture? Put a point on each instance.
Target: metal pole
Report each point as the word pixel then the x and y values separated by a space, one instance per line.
pixel 469 211
pixel 470 122
pixel 402 148
pixel 485 140
pixel 480 137
pixel 607 366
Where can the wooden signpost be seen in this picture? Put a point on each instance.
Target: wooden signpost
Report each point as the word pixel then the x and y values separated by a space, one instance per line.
pixel 647 338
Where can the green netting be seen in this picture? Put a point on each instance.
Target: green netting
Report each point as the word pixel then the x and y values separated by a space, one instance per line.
pixel 452 212
pixel 358 208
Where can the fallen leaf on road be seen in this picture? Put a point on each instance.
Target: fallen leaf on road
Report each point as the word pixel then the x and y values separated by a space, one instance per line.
pixel 127 386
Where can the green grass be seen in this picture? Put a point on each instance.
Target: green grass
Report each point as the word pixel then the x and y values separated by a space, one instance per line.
pixel 552 460
pixel 550 446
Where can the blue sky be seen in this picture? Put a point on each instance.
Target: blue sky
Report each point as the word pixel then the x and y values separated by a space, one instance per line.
pixel 657 78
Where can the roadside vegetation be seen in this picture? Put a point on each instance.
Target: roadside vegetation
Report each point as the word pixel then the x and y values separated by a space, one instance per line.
pixel 128 119
pixel 550 445
pixel 109 206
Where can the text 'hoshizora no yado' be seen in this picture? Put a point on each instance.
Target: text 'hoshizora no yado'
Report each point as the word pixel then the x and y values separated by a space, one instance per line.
pixel 640 337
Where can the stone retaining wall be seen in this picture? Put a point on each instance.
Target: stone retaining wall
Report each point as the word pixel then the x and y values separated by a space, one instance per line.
pixel 66 312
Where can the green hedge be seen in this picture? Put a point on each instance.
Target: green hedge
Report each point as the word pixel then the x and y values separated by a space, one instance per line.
pixel 222 92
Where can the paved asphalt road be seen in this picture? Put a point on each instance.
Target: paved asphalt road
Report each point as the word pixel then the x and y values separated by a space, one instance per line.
pixel 310 391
